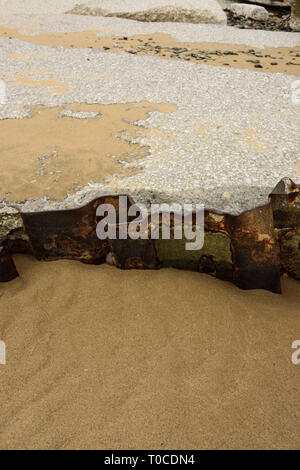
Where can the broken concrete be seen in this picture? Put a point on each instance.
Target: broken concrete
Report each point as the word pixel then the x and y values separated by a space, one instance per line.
pixel 188 11
pixel 249 11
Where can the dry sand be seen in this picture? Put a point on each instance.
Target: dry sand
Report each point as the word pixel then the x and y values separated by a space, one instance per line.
pixel 278 60
pixel 52 154
pixel 103 358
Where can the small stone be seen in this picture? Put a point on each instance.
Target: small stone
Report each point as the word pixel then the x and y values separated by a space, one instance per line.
pixel 109 259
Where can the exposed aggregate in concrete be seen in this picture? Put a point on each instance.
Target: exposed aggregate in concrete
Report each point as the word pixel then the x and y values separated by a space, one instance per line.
pixel 181 31
pixel 233 136
pixel 203 151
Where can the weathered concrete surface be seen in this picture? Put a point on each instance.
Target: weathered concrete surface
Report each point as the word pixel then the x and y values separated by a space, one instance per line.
pixel 231 137
pixel 186 11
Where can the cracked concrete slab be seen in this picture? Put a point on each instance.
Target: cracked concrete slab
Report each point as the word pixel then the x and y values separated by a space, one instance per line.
pixel 187 11
pixel 231 135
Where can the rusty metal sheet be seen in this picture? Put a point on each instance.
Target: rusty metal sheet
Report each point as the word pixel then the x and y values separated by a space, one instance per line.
pixel 244 249
pixel 255 250
pixel 68 234
pixel 285 200
pixel 213 258
pixel 8 270
pixel 134 254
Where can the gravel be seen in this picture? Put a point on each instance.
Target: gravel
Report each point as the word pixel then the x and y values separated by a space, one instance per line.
pixel 185 32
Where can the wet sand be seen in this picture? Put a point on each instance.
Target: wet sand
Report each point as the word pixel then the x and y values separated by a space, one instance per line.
pixel 59 149
pixel 277 60
pixel 108 359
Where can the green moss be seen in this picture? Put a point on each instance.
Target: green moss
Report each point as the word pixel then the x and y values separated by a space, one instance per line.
pixel 290 253
pixel 286 214
pixel 9 221
pixel 214 258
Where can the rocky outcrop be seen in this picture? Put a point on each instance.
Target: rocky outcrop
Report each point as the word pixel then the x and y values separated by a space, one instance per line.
pixel 249 11
pixel 275 3
pixel 295 18
pixel 184 11
pixel 295 6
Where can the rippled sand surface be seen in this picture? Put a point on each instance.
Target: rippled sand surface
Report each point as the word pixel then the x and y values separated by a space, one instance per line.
pixel 103 358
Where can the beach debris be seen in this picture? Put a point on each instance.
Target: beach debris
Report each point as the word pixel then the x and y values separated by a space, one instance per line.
pixel 285 200
pixel 254 12
pixel 251 249
pixel 8 270
pixel 195 11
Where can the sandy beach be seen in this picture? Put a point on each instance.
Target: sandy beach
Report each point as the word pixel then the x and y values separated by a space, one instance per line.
pixel 99 358
pixel 91 106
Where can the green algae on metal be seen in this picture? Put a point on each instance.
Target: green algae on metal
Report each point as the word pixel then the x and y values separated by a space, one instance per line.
pixel 214 258
pixel 290 252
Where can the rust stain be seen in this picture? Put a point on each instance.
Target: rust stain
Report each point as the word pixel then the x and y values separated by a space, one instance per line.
pixel 8 270
pixel 260 248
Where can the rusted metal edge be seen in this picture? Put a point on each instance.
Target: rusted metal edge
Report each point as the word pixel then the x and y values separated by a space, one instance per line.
pixel 251 249
pixel 8 270
pixel 285 200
